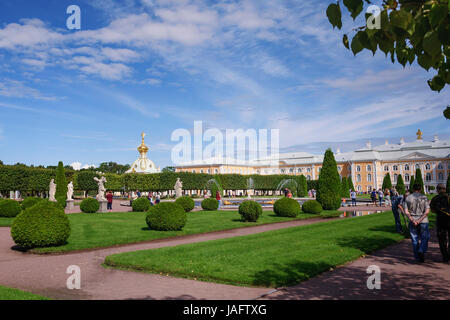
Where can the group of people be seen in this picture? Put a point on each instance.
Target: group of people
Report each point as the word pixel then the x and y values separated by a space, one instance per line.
pixel 416 207
pixel 382 198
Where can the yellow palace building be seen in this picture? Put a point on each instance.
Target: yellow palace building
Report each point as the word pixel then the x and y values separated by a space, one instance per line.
pixel 366 166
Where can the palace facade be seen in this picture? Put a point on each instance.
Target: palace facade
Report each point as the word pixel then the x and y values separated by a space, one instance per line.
pixel 366 166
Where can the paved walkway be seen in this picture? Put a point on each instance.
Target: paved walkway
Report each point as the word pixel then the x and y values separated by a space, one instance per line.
pixel 401 278
pixel 46 274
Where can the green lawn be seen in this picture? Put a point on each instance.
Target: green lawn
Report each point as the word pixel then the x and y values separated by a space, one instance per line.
pixel 270 259
pixel 16 294
pixel 6 222
pixel 109 229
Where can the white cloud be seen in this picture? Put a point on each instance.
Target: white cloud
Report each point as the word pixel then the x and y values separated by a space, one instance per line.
pixel 17 89
pixel 78 166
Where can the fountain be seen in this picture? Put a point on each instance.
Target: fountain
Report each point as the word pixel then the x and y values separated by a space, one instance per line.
pixel 250 187
pixel 288 183
pixel 212 185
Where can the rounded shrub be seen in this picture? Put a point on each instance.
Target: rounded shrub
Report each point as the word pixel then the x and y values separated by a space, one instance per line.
pixel 186 202
pixel 210 204
pixel 89 205
pixel 62 201
pixel 166 216
pixel 250 211
pixel 42 225
pixel 9 208
pixel 140 205
pixel 312 206
pixel 286 207
pixel 29 202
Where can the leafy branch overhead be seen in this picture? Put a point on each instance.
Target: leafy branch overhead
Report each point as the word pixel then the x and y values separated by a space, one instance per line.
pixel 407 30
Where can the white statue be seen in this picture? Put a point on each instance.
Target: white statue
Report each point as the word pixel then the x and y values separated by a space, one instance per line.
pixel 52 190
pixel 101 188
pixel 178 188
pixel 70 190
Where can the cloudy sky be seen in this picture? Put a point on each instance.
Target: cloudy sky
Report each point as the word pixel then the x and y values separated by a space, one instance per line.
pixel 158 65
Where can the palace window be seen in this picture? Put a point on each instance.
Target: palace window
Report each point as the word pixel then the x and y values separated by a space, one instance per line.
pixel 339 168
pixel 358 177
pixel 395 177
pixel 358 168
pixel 428 176
pixel 193 171
pixel 386 168
pixel 319 169
pixel 417 166
pixel 308 177
pixel 369 178
pixel 395 168
pixel 299 170
pixel 369 188
pixel 308 170
pixel 291 170
pixel 406 177
pixel 283 171
pixel 209 170
pixel 440 166
pixel 406 167
pixel 441 176
pixel 201 171
pixel 369 167
pixel 359 188
pixel 216 171
pixel 427 166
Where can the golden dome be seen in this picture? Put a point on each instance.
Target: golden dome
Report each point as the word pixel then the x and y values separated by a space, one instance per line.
pixel 143 149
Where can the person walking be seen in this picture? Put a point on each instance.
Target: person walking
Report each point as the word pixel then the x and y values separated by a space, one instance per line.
pixel 440 205
pixel 219 199
pixel 380 197
pixel 395 203
pixel 373 196
pixel 353 196
pixel 158 198
pixel 150 198
pixel 109 198
pixel 417 209
pixel 387 198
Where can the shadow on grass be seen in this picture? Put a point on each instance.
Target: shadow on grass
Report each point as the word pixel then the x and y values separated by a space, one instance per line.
pixel 366 244
pixel 289 274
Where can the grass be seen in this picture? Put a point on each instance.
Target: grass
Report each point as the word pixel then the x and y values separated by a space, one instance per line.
pixel 6 222
pixel 108 229
pixel 16 294
pixel 270 259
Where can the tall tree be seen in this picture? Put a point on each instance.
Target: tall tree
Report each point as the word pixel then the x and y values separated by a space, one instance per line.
pixel 406 30
pixel 61 182
pixel 411 183
pixel 345 193
pixel 448 183
pixel 400 187
pixel 387 184
pixel 329 185
pixel 350 184
pixel 419 180
pixel 302 187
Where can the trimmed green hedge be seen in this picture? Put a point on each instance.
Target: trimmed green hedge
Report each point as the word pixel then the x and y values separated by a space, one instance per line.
pixel 140 205
pixel 186 202
pixel 210 204
pixel 250 211
pixel 286 207
pixel 89 205
pixel 312 206
pixel 29 202
pixel 166 216
pixel 42 225
pixel 9 208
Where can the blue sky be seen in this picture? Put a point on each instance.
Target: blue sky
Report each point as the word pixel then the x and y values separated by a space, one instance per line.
pixel 155 66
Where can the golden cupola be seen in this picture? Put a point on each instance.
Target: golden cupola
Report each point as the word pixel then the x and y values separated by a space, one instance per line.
pixel 143 164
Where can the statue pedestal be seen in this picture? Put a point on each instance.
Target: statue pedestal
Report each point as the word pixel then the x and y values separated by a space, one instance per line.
pixel 69 204
pixel 103 206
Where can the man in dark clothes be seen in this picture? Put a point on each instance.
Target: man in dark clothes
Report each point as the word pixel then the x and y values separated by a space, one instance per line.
pixel 109 197
pixel 440 205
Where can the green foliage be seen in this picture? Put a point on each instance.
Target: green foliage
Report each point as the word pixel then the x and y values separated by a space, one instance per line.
pixel 166 216
pixel 210 204
pixel 286 207
pixel 345 192
pixel 140 205
pixel 419 180
pixel 350 183
pixel 84 180
pixel 447 112
pixel 114 182
pixel 42 225
pixel 29 202
pixel 313 184
pixel 400 187
pixel 61 184
pixel 9 208
pixel 250 211
pixel 411 183
pixel 448 183
pixel 409 30
pixel 387 182
pixel 329 189
pixel 186 202
pixel 302 187
pixel 62 201
pixel 113 167
pixel 89 205
pixel 312 206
